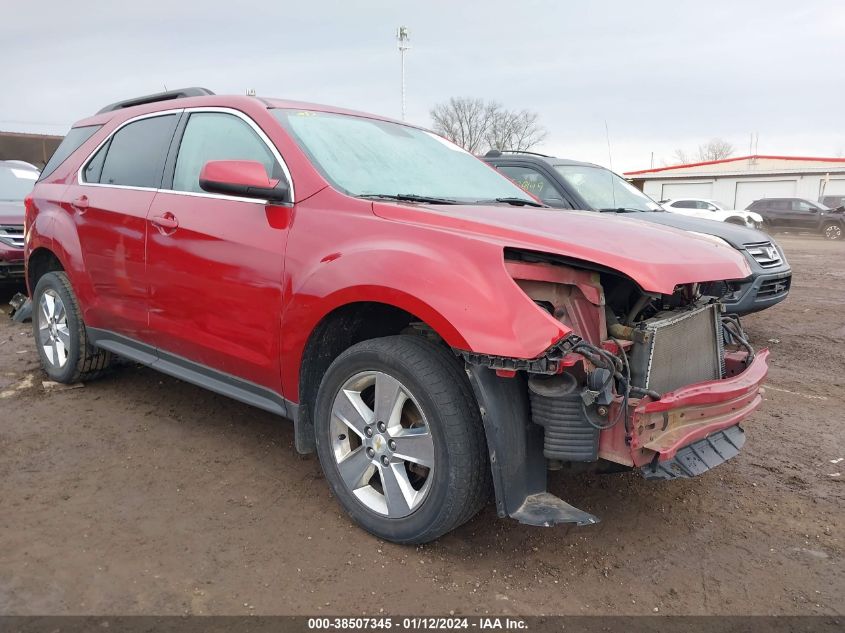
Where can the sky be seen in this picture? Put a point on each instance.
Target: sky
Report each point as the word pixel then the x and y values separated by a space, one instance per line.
pixel 621 83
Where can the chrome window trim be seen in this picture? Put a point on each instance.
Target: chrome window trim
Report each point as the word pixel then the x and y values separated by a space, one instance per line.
pixel 220 109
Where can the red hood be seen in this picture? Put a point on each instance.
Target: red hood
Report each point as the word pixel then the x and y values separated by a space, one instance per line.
pixel 657 257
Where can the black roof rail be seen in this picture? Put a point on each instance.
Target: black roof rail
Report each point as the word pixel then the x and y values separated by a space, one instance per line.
pixel 496 153
pixel 159 96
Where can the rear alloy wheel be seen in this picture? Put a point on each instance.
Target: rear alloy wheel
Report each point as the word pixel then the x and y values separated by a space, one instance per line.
pixel 400 438
pixel 832 231
pixel 53 333
pixel 60 335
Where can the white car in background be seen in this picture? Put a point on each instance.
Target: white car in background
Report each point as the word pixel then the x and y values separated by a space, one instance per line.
pixel 712 210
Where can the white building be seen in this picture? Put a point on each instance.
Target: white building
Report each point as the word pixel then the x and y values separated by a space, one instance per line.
pixel 737 182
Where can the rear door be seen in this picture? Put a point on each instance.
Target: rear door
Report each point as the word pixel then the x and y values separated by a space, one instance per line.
pixel 215 262
pixel 109 206
pixel 777 213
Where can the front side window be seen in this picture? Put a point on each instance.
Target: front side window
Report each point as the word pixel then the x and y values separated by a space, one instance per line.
pixel 535 183
pixel 369 157
pixel 218 136
pixel 604 190
pixel 72 142
pixel 136 153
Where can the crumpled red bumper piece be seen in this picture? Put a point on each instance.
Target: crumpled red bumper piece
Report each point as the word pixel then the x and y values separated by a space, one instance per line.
pixel 694 412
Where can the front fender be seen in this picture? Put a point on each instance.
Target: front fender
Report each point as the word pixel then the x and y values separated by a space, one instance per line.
pixel 458 286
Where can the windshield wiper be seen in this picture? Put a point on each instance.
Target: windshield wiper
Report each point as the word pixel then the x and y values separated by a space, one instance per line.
pixel 408 197
pixel 517 202
pixel 623 210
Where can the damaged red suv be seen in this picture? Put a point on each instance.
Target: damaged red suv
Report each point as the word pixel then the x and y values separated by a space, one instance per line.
pixel 432 331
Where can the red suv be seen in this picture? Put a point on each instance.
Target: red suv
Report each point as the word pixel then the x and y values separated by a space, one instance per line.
pixel 430 328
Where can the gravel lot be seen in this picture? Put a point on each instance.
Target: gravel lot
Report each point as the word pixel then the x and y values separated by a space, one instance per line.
pixel 140 494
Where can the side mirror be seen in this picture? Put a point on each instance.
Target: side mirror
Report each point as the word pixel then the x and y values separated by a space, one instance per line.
pixel 245 178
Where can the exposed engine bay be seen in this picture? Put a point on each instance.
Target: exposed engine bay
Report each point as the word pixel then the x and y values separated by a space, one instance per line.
pixel 627 349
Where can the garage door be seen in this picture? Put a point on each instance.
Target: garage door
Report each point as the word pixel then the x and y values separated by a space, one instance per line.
pixel 747 191
pixel 687 190
pixel 835 187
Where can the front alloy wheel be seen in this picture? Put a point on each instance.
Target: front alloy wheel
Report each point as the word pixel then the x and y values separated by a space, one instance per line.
pixel 382 444
pixel 833 232
pixel 400 438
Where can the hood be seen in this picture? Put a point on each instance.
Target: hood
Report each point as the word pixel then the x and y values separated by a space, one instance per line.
pixel 11 212
pixel 733 234
pixel 658 258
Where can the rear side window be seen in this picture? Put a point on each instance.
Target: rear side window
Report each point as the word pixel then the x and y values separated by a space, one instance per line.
pixel 72 142
pixel 684 204
pixel 136 153
pixel 218 136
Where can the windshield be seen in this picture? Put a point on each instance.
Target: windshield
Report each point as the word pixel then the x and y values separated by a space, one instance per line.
pixel 16 184
pixel 369 157
pixel 602 189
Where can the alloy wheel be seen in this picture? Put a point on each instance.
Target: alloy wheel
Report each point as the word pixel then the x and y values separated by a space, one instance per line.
pixel 833 232
pixel 53 332
pixel 382 444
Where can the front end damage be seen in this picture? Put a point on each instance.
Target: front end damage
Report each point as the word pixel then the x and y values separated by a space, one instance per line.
pixel 657 383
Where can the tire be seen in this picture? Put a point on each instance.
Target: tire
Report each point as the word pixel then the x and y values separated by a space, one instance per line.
pixel 60 336
pixel 439 400
pixel 832 231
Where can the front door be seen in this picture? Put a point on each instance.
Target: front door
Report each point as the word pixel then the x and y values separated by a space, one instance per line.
pixel 110 207
pixel 215 262
pixel 805 216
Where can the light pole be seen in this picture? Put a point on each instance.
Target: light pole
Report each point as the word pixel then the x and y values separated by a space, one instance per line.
pixel 403 39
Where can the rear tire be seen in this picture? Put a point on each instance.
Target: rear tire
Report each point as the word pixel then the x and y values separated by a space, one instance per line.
pixel 401 389
pixel 832 231
pixel 60 336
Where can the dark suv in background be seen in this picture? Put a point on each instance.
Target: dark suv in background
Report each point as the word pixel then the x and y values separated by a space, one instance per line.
pixel 569 184
pixel 800 215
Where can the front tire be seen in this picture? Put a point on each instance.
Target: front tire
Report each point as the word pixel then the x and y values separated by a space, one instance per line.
pixel 60 335
pixel 832 231
pixel 400 439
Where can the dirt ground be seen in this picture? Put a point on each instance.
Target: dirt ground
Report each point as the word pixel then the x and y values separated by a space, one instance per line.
pixel 140 494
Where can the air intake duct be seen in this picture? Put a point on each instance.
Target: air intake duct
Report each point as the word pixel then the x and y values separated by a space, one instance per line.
pixel 556 405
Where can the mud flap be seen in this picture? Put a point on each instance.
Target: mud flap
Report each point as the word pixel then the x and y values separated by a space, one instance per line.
pixel 515 445
pixel 699 457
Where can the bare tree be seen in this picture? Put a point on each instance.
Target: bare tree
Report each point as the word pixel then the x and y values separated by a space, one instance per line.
pixel 464 121
pixel 715 149
pixel 680 157
pixel 476 125
pixel 515 131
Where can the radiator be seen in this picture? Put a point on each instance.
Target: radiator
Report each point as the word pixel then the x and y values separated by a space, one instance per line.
pixel 678 349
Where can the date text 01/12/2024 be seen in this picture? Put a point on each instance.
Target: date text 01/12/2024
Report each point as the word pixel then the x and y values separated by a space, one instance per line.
pixel 417 623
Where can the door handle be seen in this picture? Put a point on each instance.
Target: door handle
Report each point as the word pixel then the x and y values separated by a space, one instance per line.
pixel 81 203
pixel 167 221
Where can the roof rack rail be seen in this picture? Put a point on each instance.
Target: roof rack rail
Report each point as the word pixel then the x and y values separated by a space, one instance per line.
pixel 159 96
pixel 495 153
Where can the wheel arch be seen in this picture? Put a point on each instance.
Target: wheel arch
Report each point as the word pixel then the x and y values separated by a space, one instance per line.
pixel 339 329
pixel 41 261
